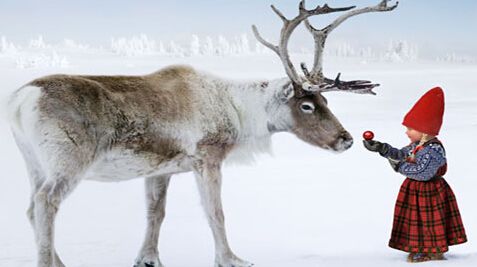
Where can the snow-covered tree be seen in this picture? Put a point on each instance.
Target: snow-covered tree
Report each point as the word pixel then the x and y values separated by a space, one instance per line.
pixel 345 50
pixel 243 44
pixel 223 47
pixel 160 48
pixel 7 47
pixel 366 53
pixel 42 60
pixel 174 49
pixel 195 46
pixel 208 48
pixel 38 43
pixel 453 57
pixel 137 45
pixel 399 51
pixel 70 44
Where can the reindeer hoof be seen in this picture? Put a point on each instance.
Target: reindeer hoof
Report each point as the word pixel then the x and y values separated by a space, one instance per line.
pixel 234 263
pixel 148 262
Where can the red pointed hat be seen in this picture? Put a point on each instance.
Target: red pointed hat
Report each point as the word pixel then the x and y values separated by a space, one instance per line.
pixel 426 115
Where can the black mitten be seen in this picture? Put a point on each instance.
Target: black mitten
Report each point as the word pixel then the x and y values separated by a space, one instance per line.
pixel 376 146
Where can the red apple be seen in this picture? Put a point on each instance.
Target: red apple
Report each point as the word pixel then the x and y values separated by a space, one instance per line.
pixel 368 135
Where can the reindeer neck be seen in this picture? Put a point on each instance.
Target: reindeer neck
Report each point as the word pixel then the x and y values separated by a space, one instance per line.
pixel 279 118
pixel 262 106
pixel 249 100
pixel 250 104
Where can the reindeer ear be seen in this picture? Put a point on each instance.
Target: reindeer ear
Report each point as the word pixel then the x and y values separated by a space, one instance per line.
pixel 286 93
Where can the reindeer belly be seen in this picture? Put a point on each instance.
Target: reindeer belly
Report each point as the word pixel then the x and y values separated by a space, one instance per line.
pixel 124 164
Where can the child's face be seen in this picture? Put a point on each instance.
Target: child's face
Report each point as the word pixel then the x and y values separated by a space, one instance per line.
pixel 413 135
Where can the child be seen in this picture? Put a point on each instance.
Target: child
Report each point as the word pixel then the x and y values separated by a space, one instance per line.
pixel 426 216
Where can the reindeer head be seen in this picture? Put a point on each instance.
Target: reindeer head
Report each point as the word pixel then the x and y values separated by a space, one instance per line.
pixel 313 121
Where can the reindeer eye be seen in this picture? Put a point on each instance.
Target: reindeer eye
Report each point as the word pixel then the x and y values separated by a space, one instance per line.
pixel 307 107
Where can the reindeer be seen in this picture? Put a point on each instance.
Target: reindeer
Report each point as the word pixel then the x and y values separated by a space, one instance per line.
pixel 71 128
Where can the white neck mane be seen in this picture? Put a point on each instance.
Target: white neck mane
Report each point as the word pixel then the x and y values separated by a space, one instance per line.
pixel 260 115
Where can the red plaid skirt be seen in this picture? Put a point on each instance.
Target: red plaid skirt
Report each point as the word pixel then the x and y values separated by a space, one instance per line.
pixel 426 217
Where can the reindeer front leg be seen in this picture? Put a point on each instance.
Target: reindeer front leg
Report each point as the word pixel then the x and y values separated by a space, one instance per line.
pixel 156 191
pixel 209 180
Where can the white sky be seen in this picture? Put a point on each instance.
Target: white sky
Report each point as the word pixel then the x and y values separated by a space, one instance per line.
pixel 438 26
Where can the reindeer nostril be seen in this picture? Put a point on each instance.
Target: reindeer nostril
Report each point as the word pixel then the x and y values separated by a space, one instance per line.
pixel 346 139
pixel 348 143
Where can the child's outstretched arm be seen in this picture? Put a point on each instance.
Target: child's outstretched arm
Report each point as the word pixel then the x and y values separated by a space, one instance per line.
pixel 387 151
pixel 427 162
pixel 395 154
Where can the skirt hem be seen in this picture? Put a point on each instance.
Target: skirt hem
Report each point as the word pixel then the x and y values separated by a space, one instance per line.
pixel 414 249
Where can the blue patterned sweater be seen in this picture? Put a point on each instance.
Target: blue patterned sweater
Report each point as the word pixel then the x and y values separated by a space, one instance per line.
pixel 427 160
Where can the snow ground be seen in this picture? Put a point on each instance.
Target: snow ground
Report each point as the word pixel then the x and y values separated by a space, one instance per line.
pixel 301 207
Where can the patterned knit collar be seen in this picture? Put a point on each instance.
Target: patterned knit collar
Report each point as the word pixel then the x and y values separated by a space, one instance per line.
pixel 433 140
pixel 415 148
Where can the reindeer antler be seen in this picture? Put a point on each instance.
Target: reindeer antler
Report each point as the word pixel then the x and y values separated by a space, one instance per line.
pixel 315 81
pixel 355 86
pixel 287 29
pixel 315 76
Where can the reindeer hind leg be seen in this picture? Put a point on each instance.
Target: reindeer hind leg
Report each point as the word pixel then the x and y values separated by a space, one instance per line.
pixel 37 177
pixel 63 163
